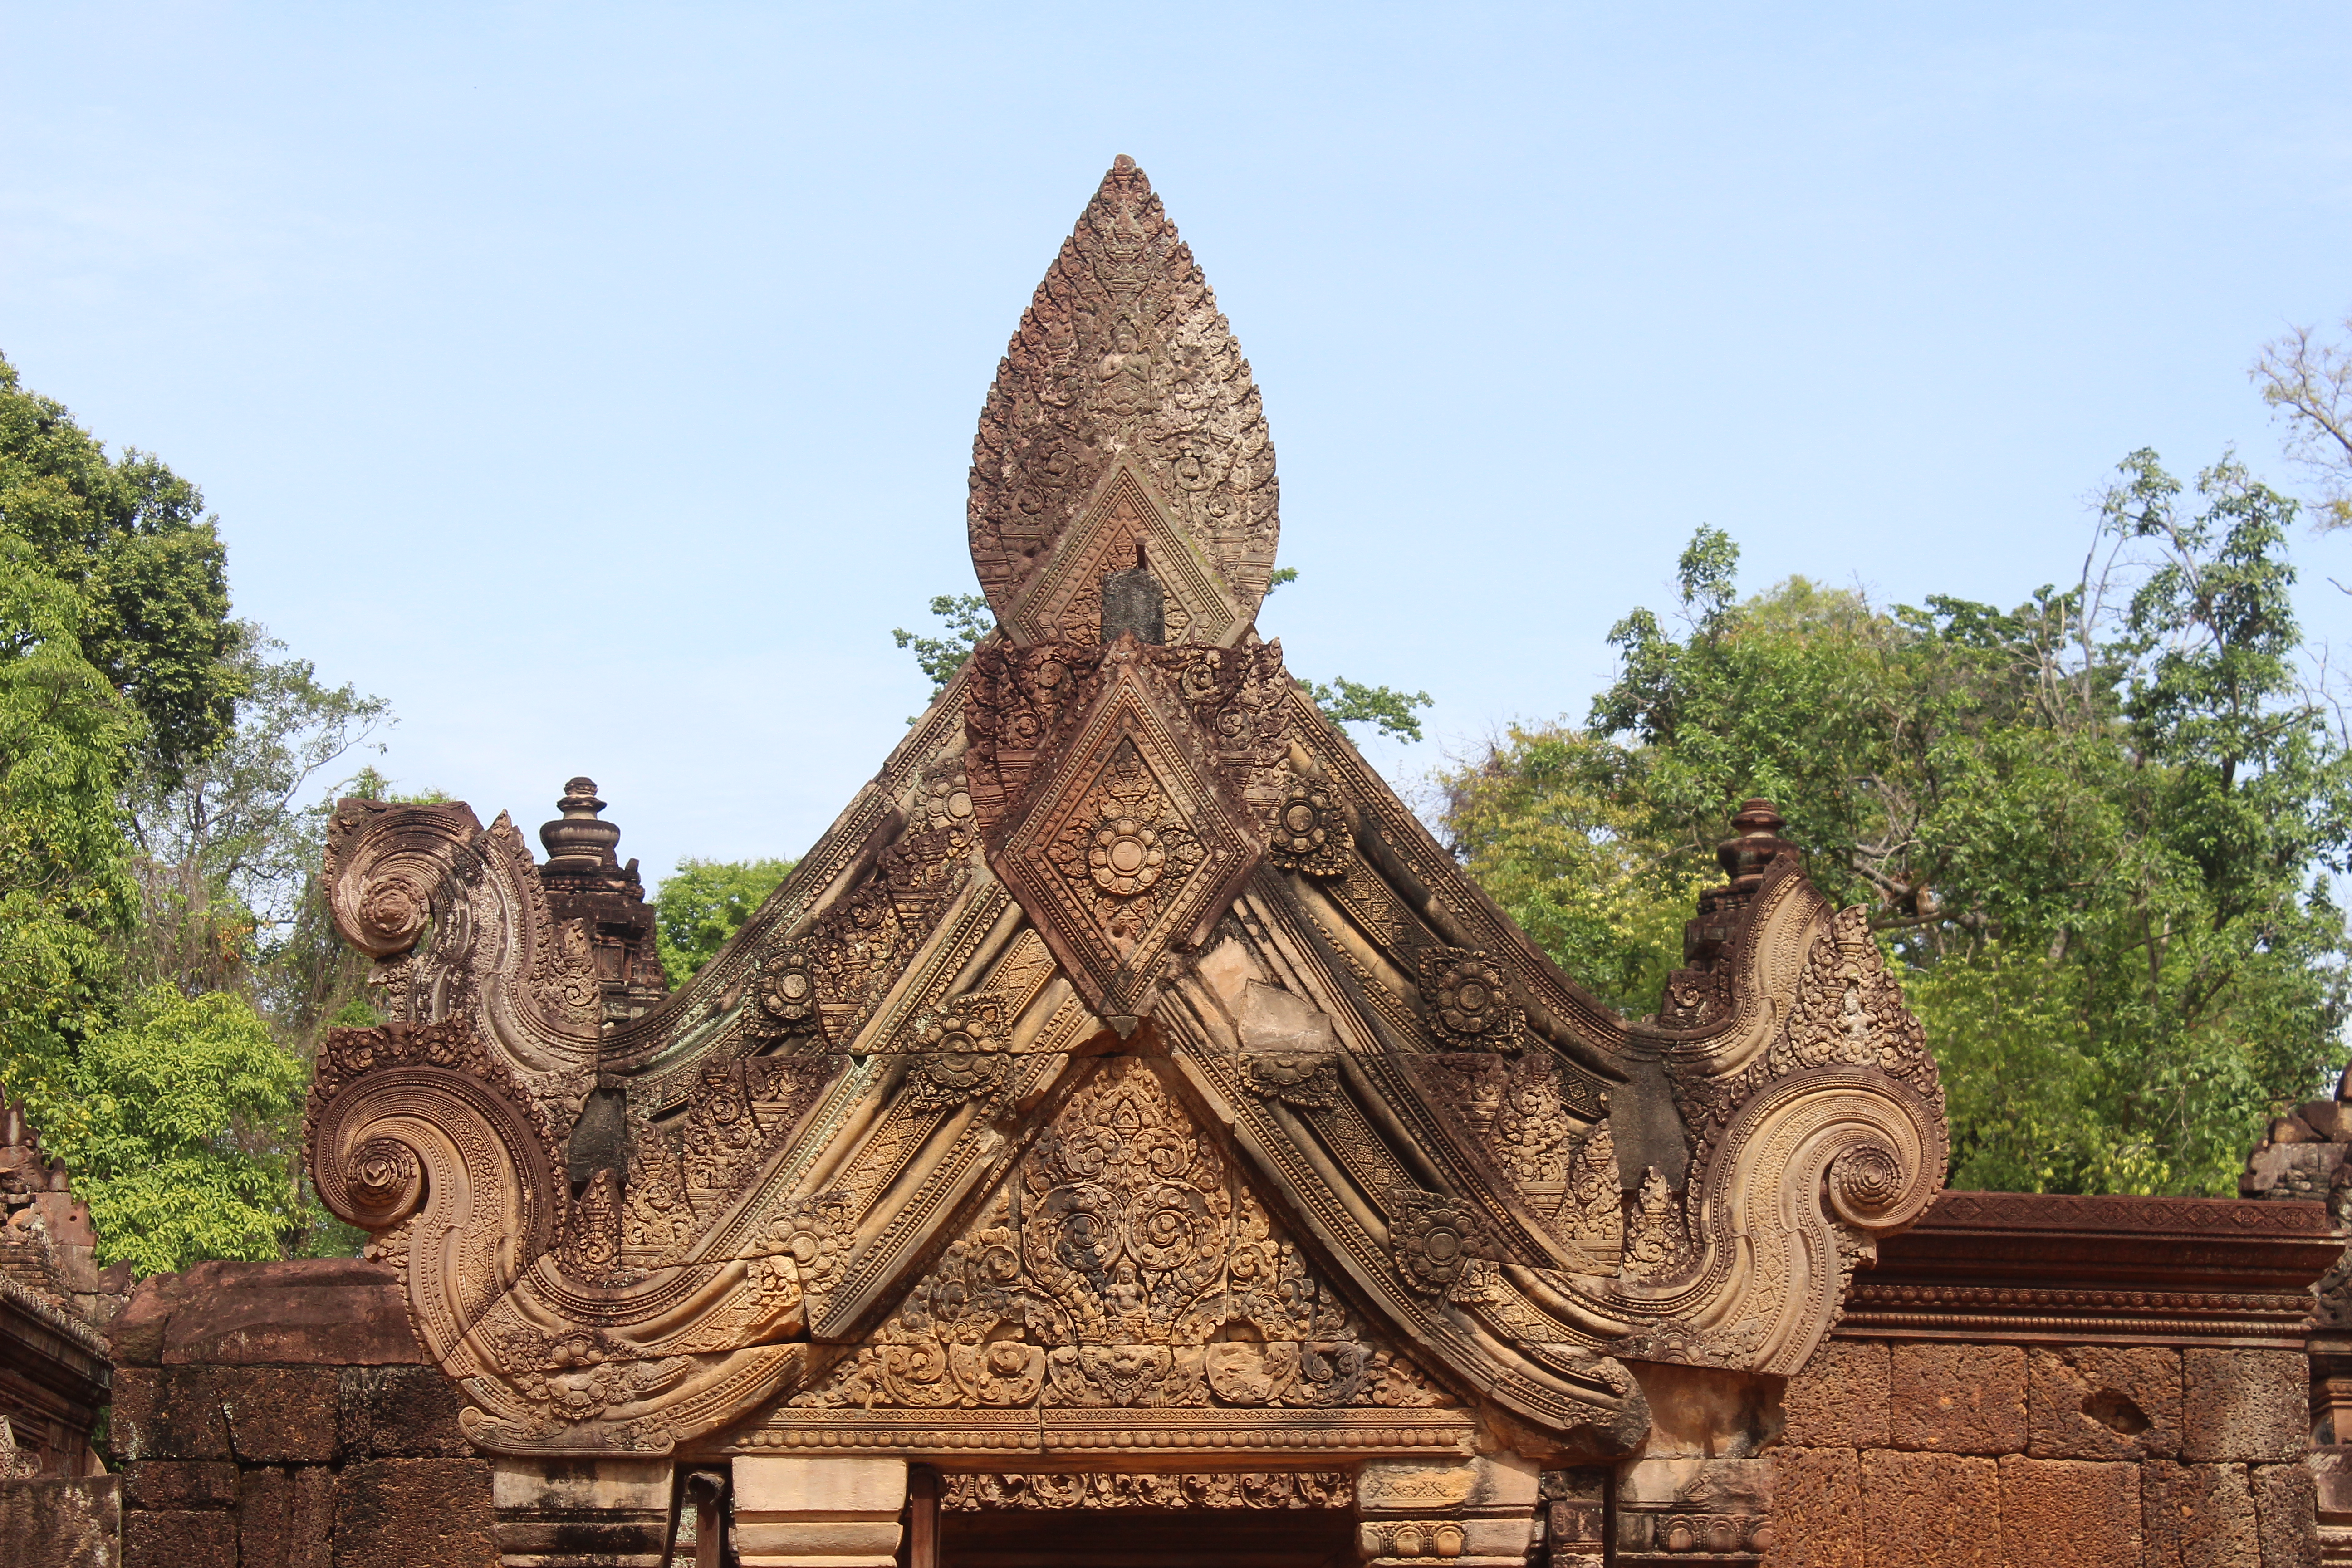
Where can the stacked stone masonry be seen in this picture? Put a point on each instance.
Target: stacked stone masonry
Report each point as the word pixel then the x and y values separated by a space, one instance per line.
pixel 279 1416
pixel 2068 1381
pixel 1924 1455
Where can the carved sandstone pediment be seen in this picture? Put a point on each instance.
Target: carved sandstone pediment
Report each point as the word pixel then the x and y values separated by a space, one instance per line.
pixel 1127 1069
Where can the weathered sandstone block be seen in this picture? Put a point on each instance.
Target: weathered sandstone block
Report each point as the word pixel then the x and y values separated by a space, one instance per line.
pixel 1930 1511
pixel 2104 1401
pixel 1839 1400
pixel 1959 1399
pixel 1817 1509
pixel 2250 1406
pixel 2070 1513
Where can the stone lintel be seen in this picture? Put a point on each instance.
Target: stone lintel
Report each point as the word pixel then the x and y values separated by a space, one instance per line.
pixel 1306 1438
pixel 2051 1269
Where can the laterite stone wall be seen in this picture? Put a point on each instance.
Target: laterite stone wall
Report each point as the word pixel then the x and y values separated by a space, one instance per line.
pixel 280 1415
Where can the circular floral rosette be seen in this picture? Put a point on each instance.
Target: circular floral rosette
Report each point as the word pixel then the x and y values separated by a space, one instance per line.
pixel 1466 998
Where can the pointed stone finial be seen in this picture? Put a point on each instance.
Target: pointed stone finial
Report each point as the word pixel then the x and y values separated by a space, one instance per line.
pixel 1122 416
pixel 577 842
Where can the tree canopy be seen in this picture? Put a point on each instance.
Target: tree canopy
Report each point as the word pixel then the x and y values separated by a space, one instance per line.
pixel 148 571
pixel 2094 830
pixel 707 902
pixel 165 963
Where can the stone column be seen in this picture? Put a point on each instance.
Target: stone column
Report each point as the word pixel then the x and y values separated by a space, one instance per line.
pixel 581 1513
pixel 1476 1514
pixel 818 1512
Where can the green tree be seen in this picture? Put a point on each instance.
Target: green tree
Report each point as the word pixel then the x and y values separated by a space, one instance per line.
pixel 1346 701
pixel 967 620
pixel 697 911
pixel 2094 830
pixel 153 854
pixel 227 846
pixel 66 895
pixel 180 1154
pixel 147 567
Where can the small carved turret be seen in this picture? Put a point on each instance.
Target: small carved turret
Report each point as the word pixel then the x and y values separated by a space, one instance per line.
pixel 578 845
pixel 1745 857
pixel 585 882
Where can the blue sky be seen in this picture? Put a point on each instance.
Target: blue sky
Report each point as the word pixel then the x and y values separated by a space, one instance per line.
pixel 597 383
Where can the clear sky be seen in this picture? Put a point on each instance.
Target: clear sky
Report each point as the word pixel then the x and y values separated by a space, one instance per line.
pixel 597 383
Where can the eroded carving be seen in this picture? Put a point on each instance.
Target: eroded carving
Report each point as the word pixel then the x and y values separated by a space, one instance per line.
pixel 1123 410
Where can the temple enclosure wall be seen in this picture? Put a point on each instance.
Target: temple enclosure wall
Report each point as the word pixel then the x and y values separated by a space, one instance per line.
pixel 2020 1380
pixel 2030 1379
pixel 280 1415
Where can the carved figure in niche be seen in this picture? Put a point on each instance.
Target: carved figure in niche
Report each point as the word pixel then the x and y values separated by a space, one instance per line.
pixel 1125 1266
pixel 659 1222
pixel 594 1226
pixel 1591 1215
pixel 1126 372
pixel 1654 1233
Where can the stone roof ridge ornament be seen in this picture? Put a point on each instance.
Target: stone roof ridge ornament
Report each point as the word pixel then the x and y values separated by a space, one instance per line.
pixel 1749 853
pixel 577 841
pixel 1123 416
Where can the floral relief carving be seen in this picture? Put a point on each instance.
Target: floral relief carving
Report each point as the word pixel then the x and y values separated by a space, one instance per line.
pixel 1126 1267
pixel 960 1053
pixel 1308 1079
pixel 1441 1244
pixel 784 992
pixel 1149 1490
pixel 580 1375
pixel 722 1135
pixel 1465 995
pixel 1127 840
pixel 1310 832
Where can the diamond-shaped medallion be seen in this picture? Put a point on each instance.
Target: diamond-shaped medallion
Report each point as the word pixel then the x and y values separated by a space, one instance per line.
pixel 1125 850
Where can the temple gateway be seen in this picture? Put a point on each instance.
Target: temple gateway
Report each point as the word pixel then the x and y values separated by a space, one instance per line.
pixel 1127 1136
